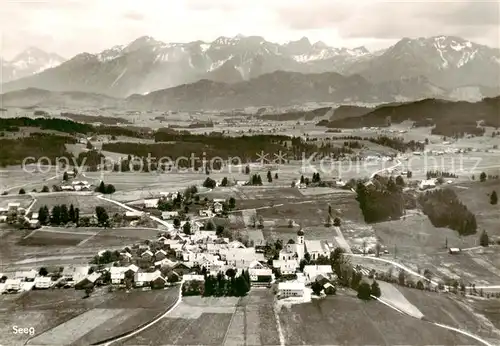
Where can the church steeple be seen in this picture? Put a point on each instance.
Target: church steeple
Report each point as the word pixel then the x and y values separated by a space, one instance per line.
pixel 300 236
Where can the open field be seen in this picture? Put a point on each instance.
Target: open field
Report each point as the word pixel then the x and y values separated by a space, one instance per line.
pixel 450 310
pixel 13 178
pixel 85 201
pixel 42 310
pixel 476 196
pixel 63 246
pixel 63 317
pixel 216 321
pixel 24 200
pixel 339 320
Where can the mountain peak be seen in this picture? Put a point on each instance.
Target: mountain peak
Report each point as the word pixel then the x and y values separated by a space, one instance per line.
pixel 141 42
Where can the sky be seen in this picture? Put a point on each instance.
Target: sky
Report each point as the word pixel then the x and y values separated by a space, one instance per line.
pixel 69 27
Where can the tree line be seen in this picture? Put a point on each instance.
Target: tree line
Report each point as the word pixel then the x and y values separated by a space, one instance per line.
pixel 444 209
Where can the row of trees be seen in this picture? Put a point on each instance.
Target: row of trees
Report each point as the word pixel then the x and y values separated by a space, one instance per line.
pixel 440 174
pixel 227 285
pixel 60 215
pixel 107 189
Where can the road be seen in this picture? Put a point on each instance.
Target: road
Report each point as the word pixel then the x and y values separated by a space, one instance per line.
pixel 154 218
pixel 385 169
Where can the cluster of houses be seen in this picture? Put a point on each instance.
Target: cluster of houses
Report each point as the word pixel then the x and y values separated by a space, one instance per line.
pixel 14 212
pixel 77 185
pixel 71 276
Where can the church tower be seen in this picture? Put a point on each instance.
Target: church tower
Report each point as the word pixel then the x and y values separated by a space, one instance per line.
pixel 300 244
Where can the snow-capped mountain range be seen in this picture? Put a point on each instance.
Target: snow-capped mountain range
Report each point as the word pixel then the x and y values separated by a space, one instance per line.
pixel 29 62
pixel 147 65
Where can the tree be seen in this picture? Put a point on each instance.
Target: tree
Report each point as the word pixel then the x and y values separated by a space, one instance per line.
pixel 177 222
pixel 484 239
pixel 378 248
pixel 102 216
pixel 109 189
pixel 364 291
pixel 88 291
pixel 247 169
pixel 65 176
pixel 336 222
pixel 223 182
pixel 232 203
pixel 187 228
pixel 64 214
pixel 209 226
pixel 420 285
pixel 269 176
pixel 43 271
pixel 375 289
pixel 71 213
pixel 275 175
pixel 290 223
pixel 101 188
pixel 43 215
pixel 482 177
pixel 493 198
pixel 45 188
pixel 302 180
pixel 209 183
pixel 316 288
pixel 22 191
pixel 55 215
pixel 77 215
pixel 402 277
pixel 329 210
pixel 219 230
pixel 89 145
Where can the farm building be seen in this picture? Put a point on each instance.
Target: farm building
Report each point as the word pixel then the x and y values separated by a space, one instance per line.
pixel 28 275
pixel 88 281
pixel 286 267
pixel 151 203
pixel 427 184
pixel 311 272
pixel 13 206
pixel 142 279
pixel 218 207
pixel 291 289
pixel 75 273
pixel 260 273
pixel 453 250
pixel 193 277
pixel 133 215
pixel 206 213
pixel 169 215
pixel 43 282
pixel 12 285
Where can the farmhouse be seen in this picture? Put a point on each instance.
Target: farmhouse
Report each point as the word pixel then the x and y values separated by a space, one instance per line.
pixel 286 267
pixel 12 285
pixel 427 184
pixel 75 273
pixel 291 289
pixel 169 215
pixel 453 250
pixel 260 273
pixel 311 272
pixel 118 274
pixel 133 215
pixel 151 203
pixel 13 207
pixel 28 275
pixel 88 281
pixel 43 282
pixel 218 207
pixel 142 279
pixel 206 213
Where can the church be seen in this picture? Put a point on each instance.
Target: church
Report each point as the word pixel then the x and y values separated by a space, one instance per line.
pixel 297 251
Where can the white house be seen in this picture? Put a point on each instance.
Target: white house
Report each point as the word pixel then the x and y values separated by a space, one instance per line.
pixel 144 279
pixel 291 289
pixel 206 213
pixel 133 215
pixel 427 184
pixel 28 275
pixel 34 216
pixel 151 203
pixel 259 272
pixel 286 267
pixel 43 282
pixel 312 271
pixel 75 273
pixel 118 273
pixel 218 207
pixel 12 285
pixel 168 215
pixel 193 277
